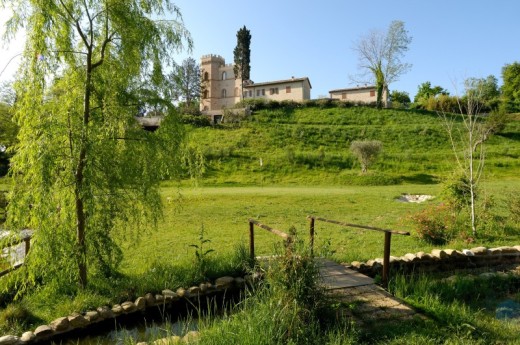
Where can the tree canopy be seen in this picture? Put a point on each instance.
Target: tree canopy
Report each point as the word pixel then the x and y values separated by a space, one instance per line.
pixel 186 81
pixel 84 169
pixel 511 86
pixel 426 90
pixel 380 54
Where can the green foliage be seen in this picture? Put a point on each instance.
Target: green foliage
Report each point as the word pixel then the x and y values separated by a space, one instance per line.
pixel 511 86
pixel 426 90
pixel 435 224
pixel 366 151
pixel 201 254
pixel 242 55
pixel 195 120
pixel 185 81
pixel 84 169
pixel 400 99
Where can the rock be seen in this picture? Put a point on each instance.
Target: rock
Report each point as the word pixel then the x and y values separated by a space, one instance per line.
pixel 495 251
pixel 191 337
pixel 43 331
pixel 9 340
pixel 181 292
pixel 159 299
pixel 60 324
pixel 224 282
pixel 240 282
pixel 128 306
pixel 487 275
pixel 203 287
pixel 92 315
pixel 27 337
pixel 439 254
pixel 194 291
pixel 142 343
pixel 508 250
pixel 77 321
pixel 502 275
pixel 105 312
pixel 117 309
pixel 478 251
pixel 140 303
pixel 150 299
pixel 169 295
pixel 175 339
pixel 393 259
pixel 411 257
pixel 467 252
pixel 453 253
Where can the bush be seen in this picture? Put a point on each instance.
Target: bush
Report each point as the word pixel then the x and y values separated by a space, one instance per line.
pixel 366 151
pixel 435 224
pixel 196 120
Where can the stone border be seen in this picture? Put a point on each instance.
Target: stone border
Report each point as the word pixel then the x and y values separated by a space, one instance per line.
pixel 74 322
pixel 441 260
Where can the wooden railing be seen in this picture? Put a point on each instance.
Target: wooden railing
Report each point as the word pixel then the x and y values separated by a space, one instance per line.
pixel 252 223
pixel 25 238
pixel 388 239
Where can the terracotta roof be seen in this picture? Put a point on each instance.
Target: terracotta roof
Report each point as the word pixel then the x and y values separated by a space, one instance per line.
pixel 276 82
pixel 354 89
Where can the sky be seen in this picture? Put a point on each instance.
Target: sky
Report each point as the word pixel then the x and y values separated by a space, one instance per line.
pixel 451 40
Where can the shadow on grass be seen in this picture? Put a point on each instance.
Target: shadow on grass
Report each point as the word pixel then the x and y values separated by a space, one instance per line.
pixel 420 179
pixel 510 135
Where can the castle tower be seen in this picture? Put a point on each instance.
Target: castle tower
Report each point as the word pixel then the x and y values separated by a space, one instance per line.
pixel 221 90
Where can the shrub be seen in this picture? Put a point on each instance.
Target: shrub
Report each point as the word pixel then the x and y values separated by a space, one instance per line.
pixel 196 120
pixel 366 151
pixel 435 224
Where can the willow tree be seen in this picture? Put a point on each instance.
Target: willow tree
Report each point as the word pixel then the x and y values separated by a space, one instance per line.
pixel 84 171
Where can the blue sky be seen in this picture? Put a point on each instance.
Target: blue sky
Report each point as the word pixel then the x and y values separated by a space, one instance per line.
pixel 452 40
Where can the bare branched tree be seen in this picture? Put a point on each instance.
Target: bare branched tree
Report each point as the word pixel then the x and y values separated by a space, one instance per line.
pixel 467 142
pixel 380 54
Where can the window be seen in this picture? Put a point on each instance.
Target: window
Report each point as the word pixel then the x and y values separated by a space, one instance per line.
pixel 258 92
pixel 263 92
pixel 344 95
pixel 372 93
pixel 245 94
pixel 206 76
pixel 205 94
pixel 224 75
pixel 273 91
pixel 224 93
pixel 250 93
pixel 287 89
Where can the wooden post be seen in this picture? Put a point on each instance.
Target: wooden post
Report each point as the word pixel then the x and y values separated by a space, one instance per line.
pixel 312 236
pixel 386 259
pixel 252 240
pixel 27 241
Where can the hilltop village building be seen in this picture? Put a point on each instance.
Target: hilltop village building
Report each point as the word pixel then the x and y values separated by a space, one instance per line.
pixel 364 94
pixel 222 90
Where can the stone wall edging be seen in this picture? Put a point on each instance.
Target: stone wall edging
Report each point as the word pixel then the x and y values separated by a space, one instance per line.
pixel 443 260
pixel 63 325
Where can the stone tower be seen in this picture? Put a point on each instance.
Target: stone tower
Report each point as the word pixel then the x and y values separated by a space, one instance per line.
pixel 221 89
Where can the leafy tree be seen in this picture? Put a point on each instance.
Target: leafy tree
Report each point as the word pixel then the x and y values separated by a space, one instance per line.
pixel 380 55
pixel 366 151
pixel 8 130
pixel 242 56
pixel 511 86
pixel 426 90
pixel 83 168
pixel 486 90
pixel 400 98
pixel 185 80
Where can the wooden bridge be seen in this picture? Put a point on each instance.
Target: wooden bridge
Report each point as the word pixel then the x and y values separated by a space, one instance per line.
pixel 362 300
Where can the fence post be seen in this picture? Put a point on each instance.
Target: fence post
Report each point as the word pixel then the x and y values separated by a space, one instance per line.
pixel 312 236
pixel 252 240
pixel 386 259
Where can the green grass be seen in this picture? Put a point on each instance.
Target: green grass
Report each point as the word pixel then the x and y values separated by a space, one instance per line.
pixel 311 146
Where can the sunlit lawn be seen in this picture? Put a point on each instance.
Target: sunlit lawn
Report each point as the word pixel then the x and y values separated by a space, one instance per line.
pixel 224 214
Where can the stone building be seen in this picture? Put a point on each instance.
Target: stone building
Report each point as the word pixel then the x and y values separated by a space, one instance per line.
pixel 364 94
pixel 222 90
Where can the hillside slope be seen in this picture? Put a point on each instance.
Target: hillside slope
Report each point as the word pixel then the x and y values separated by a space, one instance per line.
pixel 311 146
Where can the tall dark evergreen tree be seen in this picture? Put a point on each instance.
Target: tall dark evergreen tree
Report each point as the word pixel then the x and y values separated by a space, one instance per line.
pixel 242 55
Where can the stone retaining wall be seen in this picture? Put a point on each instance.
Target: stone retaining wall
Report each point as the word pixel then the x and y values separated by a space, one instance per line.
pixel 441 260
pixel 74 322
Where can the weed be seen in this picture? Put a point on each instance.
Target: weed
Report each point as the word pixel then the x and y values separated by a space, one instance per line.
pixel 201 253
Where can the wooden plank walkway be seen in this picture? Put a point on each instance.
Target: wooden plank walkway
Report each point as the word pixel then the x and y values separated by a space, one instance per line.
pixel 362 301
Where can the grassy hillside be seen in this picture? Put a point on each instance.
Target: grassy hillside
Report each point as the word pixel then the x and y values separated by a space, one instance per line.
pixel 311 146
